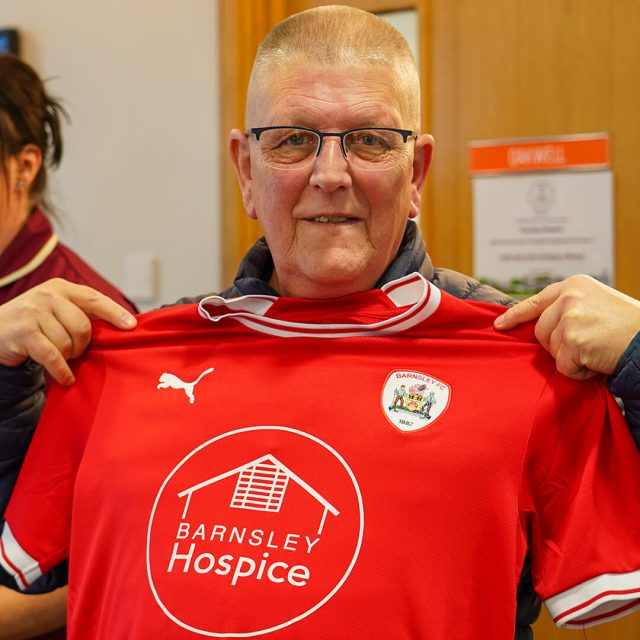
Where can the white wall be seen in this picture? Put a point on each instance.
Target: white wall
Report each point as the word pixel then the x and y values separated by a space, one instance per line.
pixel 140 172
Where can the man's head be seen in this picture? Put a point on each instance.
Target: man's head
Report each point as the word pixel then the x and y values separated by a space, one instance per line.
pixel 333 223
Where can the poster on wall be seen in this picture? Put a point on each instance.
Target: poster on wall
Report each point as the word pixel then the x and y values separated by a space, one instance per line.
pixel 542 210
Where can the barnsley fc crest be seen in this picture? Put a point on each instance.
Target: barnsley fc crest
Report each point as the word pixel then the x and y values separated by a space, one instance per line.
pixel 412 400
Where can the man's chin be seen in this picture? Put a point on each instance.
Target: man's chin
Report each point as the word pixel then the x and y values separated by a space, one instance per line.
pixel 332 279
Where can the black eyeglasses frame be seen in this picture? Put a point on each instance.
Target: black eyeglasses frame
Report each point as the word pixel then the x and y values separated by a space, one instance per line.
pixel 258 131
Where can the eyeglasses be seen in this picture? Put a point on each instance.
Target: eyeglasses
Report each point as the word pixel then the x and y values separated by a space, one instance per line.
pixel 371 149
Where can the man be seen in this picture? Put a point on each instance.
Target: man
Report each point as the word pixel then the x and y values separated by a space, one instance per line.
pixel 399 395
pixel 334 225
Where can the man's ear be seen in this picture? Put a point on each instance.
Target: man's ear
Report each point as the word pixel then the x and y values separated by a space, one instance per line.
pixel 29 162
pixel 240 157
pixel 421 163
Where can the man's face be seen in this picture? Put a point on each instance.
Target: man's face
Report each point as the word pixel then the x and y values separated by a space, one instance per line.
pixel 332 228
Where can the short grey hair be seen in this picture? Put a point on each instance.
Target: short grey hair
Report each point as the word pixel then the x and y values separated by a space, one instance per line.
pixel 336 35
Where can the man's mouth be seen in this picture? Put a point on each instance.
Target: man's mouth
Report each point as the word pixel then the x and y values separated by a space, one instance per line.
pixel 331 220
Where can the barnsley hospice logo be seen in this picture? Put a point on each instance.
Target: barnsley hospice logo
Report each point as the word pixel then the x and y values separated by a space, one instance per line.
pixel 253 531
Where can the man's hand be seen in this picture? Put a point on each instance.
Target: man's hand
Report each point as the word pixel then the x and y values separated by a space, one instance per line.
pixel 585 325
pixel 51 324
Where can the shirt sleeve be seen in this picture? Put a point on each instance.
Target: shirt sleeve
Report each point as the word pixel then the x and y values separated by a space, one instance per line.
pixel 580 504
pixel 36 531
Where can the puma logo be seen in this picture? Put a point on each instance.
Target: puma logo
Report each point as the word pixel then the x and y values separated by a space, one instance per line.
pixel 170 381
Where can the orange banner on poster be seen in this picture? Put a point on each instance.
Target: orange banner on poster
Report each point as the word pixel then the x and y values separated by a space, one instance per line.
pixel 559 153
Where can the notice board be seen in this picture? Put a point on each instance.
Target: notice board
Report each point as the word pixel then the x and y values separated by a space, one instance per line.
pixel 543 209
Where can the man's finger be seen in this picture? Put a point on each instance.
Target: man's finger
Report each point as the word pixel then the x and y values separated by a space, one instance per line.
pixel 567 365
pixel 528 309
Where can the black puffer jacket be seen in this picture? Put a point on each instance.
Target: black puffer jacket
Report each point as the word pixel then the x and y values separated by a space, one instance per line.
pixel 21 402
pixel 22 388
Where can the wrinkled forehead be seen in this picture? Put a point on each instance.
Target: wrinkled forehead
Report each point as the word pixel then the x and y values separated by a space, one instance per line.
pixel 310 93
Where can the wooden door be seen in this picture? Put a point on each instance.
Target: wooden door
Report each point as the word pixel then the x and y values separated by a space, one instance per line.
pixel 515 68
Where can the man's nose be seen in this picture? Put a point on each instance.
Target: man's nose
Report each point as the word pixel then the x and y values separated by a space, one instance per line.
pixel 330 168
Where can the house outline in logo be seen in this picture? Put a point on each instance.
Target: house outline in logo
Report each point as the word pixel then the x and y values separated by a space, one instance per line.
pixel 261 486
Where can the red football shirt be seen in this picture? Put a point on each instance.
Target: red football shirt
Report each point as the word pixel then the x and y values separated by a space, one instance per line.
pixel 374 466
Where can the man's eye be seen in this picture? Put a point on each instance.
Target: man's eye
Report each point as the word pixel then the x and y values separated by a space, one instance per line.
pixel 370 140
pixel 365 139
pixel 298 139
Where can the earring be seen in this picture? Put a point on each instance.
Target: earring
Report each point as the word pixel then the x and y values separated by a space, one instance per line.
pixel 19 184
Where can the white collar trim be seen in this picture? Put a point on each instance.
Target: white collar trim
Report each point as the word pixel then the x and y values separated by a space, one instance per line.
pixel 33 264
pixel 412 291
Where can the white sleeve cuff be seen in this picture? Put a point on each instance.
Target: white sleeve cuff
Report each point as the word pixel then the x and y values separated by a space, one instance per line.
pixel 601 599
pixel 16 561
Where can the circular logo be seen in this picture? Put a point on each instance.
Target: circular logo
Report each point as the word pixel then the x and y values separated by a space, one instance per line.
pixel 253 531
pixel 541 196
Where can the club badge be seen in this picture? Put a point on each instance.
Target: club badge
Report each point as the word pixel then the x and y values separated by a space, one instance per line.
pixel 412 400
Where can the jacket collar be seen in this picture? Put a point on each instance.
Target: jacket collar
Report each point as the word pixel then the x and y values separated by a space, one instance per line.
pixel 29 249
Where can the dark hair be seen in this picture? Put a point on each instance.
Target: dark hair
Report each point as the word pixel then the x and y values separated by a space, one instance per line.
pixel 28 116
